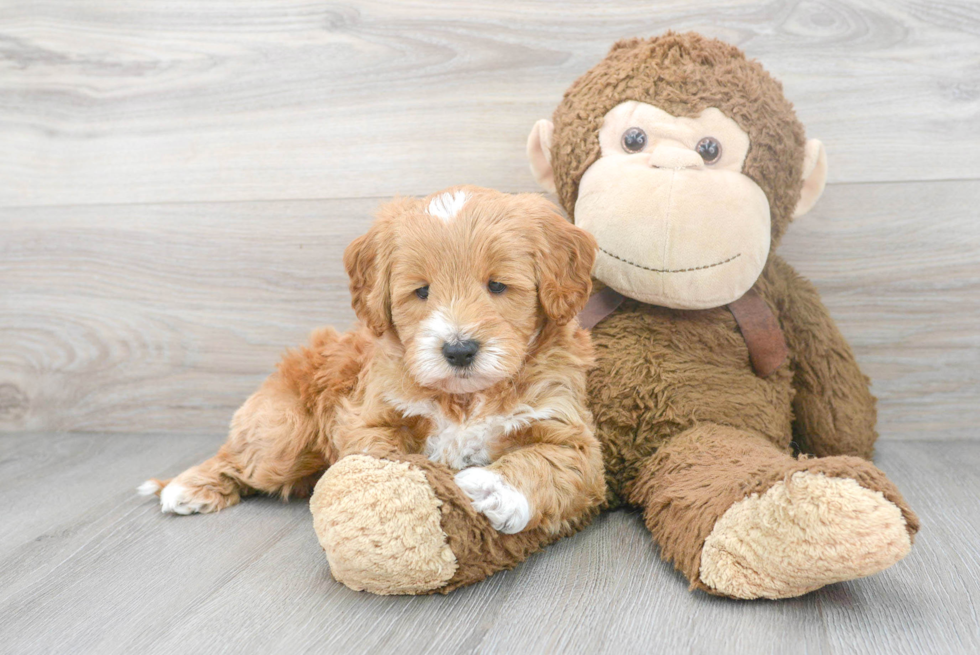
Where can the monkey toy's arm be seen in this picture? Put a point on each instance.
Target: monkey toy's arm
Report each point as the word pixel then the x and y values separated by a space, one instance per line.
pixel 833 407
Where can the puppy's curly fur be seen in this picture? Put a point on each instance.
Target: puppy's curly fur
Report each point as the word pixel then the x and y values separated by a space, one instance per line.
pixel 464 266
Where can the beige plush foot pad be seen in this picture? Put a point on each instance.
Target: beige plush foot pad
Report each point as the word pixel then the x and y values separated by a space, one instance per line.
pixel 801 535
pixel 379 524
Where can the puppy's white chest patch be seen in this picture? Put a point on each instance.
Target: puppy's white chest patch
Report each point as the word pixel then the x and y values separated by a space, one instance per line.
pixel 460 445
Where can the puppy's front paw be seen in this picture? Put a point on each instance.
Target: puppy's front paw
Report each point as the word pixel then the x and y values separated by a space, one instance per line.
pixel 506 507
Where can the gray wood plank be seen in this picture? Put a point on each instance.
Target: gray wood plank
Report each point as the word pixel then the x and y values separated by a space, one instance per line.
pixel 195 302
pixel 253 579
pixel 60 493
pixel 163 318
pixel 897 266
pixel 227 100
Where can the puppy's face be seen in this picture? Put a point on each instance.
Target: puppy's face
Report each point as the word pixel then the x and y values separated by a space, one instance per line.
pixel 465 279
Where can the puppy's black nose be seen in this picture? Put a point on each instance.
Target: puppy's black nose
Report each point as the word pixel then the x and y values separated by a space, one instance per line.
pixel 460 353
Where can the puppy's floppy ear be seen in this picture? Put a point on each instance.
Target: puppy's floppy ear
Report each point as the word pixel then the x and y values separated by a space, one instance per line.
pixel 564 264
pixel 368 263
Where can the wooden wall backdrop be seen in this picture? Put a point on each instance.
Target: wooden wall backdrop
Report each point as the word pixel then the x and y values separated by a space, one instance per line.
pixel 178 180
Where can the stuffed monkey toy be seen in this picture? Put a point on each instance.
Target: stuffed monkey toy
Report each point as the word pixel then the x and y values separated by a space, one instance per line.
pixel 686 163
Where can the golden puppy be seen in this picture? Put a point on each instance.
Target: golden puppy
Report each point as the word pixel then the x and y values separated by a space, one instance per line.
pixel 469 352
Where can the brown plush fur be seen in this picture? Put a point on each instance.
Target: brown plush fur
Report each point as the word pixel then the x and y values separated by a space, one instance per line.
pixel 687 428
pixel 686 368
pixel 688 484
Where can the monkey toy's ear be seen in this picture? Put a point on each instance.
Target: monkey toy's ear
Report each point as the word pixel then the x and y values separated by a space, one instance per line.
pixel 814 176
pixel 539 154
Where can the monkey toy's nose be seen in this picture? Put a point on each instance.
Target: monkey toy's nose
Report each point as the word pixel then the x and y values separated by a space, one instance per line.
pixel 676 158
pixel 460 354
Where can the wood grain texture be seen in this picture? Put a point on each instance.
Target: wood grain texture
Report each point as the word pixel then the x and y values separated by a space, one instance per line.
pixel 897 265
pixel 113 102
pixel 93 569
pixel 163 318
pixel 195 302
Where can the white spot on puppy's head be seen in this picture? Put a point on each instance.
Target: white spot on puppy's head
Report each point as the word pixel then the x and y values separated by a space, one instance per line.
pixel 447 205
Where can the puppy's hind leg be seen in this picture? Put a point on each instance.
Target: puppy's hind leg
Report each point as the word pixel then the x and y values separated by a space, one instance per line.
pixel 276 444
pixel 271 448
pixel 204 488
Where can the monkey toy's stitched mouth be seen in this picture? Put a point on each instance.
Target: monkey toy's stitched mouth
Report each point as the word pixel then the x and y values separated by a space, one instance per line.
pixel 670 270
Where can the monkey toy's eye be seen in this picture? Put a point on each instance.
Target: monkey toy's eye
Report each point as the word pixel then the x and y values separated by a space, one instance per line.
pixel 634 139
pixel 495 287
pixel 709 149
pixel 422 292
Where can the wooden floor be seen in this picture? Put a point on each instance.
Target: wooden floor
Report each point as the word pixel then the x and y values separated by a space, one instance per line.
pixel 178 181
pixel 86 566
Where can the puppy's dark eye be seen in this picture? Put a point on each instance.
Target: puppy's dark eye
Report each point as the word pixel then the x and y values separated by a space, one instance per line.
pixel 709 149
pixel 422 292
pixel 496 287
pixel 634 139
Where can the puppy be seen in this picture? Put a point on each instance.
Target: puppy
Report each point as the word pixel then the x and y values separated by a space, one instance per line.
pixel 468 351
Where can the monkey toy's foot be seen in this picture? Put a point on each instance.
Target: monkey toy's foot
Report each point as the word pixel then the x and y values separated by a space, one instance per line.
pixel 804 532
pixel 404 527
pixel 379 523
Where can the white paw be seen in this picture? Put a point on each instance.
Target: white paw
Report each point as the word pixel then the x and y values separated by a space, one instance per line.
pixel 506 507
pixel 177 499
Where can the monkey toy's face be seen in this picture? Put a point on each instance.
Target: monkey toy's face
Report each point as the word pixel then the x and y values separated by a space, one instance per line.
pixel 677 222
